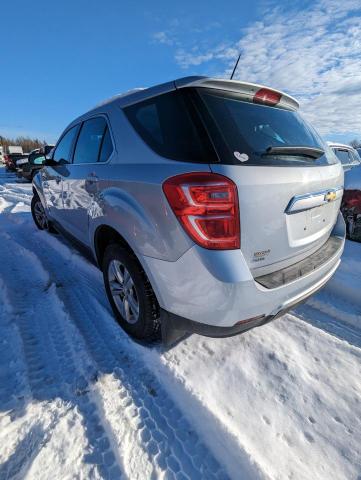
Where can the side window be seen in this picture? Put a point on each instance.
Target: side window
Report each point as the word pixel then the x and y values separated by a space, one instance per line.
pixel 90 140
pixel 169 125
pixel 147 116
pixel 107 146
pixel 63 150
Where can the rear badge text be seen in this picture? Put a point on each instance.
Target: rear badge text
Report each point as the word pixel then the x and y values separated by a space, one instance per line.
pixel 260 256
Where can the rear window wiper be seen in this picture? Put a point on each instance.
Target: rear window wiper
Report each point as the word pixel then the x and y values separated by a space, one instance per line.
pixel 311 152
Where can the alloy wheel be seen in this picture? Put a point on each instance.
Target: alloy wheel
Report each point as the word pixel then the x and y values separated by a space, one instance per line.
pixel 40 215
pixel 123 291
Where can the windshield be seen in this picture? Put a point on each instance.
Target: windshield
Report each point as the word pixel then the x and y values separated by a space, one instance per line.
pixel 249 133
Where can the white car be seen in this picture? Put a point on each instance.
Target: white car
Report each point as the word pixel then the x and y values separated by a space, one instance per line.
pixel 347 155
pixel 22 161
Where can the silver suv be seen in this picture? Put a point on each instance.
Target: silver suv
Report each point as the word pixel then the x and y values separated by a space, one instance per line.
pixel 210 206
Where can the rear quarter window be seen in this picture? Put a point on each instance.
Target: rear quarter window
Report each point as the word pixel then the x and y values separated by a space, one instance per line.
pixel 169 124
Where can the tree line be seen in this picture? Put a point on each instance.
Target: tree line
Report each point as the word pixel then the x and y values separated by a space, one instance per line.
pixel 27 143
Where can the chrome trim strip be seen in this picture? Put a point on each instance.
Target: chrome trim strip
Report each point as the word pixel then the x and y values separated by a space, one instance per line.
pixel 311 200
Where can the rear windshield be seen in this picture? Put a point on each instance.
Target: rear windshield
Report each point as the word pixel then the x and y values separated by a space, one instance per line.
pixel 245 132
pixel 170 126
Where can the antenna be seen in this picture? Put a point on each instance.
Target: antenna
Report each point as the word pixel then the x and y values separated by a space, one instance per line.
pixel 236 65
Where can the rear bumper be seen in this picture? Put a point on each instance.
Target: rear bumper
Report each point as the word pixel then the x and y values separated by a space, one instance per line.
pixel 217 289
pixel 175 328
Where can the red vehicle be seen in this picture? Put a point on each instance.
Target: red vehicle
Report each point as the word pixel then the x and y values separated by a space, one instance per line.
pixel 351 203
pixel 11 159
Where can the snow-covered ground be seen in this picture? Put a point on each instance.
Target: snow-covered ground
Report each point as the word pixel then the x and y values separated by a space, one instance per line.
pixel 79 399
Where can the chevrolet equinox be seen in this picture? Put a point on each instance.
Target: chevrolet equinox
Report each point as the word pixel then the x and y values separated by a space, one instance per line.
pixel 211 206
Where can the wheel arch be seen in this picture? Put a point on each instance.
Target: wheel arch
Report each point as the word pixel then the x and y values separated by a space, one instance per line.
pixel 105 235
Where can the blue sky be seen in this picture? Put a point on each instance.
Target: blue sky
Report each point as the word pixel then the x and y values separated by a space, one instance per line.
pixel 61 58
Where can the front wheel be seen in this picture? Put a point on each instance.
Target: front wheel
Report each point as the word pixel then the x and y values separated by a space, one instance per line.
pixel 130 294
pixel 39 214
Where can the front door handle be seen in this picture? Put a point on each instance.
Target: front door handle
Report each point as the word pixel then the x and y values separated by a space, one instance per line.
pixel 92 178
pixel 58 180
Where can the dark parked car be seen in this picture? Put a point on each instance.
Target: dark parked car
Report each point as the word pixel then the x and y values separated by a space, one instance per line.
pixel 12 158
pixel 351 203
pixel 35 162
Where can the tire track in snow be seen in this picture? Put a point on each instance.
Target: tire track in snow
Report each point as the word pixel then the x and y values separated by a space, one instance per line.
pixel 53 371
pixel 19 195
pixel 13 385
pixel 15 393
pixel 167 440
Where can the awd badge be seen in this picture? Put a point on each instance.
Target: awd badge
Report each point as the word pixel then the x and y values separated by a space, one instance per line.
pixel 260 256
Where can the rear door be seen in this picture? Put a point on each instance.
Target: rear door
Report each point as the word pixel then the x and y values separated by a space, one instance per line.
pixel 289 198
pixel 80 189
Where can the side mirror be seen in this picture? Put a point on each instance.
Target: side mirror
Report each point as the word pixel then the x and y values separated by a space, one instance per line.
pixel 49 162
pixel 39 160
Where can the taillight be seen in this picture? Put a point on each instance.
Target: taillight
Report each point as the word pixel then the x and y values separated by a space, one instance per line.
pixel 267 97
pixel 206 205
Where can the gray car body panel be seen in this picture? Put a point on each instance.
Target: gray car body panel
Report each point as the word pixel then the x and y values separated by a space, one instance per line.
pixel 220 290
pixel 206 286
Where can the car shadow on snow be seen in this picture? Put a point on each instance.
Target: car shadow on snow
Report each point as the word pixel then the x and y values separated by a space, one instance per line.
pixel 327 322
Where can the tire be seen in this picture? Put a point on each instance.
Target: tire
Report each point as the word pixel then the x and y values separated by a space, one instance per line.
pixel 143 322
pixel 36 206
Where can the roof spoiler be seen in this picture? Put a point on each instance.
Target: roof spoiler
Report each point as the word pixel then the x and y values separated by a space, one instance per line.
pixel 250 92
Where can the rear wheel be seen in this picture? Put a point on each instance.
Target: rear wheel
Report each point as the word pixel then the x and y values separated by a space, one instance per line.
pixel 130 294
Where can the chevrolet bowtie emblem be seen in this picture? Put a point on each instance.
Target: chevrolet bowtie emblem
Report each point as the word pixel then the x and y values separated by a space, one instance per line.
pixel 330 196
